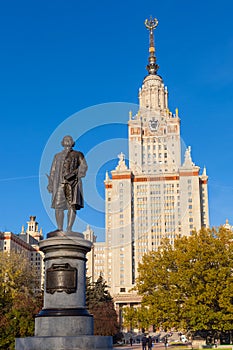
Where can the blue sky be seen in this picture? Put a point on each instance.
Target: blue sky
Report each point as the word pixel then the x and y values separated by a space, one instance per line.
pixel 60 57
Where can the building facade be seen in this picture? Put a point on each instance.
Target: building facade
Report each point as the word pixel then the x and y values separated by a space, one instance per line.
pixel 26 243
pixel 158 195
pixel 228 226
pixel 96 259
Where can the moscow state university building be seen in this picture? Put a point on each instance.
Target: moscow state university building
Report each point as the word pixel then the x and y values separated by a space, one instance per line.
pixel 160 194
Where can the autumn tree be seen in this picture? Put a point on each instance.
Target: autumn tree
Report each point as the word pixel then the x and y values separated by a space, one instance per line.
pixel 137 318
pixel 19 298
pixel 100 304
pixel 190 286
pixel 130 319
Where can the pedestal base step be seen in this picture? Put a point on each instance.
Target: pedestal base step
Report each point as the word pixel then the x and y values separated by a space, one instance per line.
pixel 82 342
pixel 64 326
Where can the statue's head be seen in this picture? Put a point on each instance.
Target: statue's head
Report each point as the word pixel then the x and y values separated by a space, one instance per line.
pixel 67 141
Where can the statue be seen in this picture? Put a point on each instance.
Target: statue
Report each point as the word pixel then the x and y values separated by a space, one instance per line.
pixel 121 163
pixel 65 183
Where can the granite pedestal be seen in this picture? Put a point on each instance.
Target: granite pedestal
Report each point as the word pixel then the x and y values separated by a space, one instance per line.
pixel 64 322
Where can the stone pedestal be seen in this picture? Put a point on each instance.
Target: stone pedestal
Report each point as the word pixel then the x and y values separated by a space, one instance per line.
pixel 64 323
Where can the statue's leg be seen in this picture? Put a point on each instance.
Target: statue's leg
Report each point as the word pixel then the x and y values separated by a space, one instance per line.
pixel 70 219
pixel 59 214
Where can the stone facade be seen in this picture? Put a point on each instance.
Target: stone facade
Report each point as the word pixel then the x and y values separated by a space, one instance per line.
pixel 26 242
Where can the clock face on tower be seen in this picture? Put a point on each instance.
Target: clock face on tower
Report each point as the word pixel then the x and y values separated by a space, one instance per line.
pixel 153 124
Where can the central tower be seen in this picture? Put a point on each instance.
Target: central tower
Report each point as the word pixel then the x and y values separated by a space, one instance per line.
pixel 154 132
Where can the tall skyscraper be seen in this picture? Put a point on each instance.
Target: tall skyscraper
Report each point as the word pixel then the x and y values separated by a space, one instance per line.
pixel 158 196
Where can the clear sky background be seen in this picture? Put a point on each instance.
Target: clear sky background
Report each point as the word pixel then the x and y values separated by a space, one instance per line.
pixel 61 56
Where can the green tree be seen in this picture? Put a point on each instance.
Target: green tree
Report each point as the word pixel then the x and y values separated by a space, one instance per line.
pixel 137 318
pixel 100 304
pixel 130 319
pixel 190 286
pixel 143 318
pixel 19 298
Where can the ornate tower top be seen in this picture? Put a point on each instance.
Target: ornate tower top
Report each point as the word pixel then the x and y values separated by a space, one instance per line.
pixel 152 67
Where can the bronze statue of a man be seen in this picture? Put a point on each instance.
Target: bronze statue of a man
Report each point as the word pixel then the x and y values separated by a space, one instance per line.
pixel 65 183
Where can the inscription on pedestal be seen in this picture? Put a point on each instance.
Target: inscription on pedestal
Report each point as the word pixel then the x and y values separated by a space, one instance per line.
pixel 61 278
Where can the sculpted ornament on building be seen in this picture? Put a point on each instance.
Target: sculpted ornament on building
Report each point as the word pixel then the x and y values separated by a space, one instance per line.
pixel 121 163
pixel 153 124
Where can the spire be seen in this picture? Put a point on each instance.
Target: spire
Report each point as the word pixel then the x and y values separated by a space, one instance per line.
pixel 152 67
